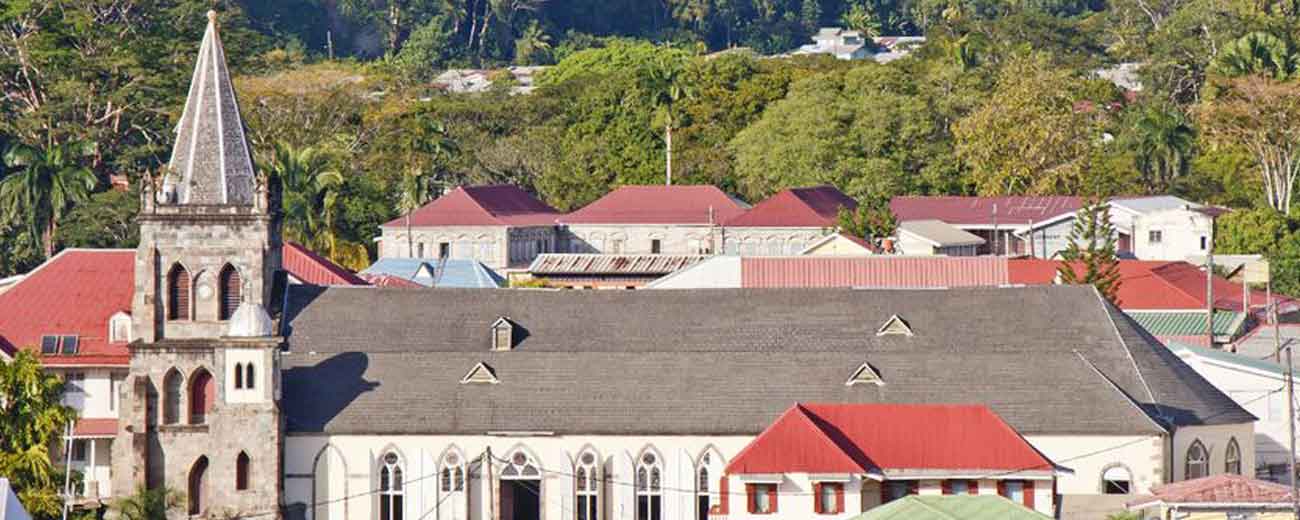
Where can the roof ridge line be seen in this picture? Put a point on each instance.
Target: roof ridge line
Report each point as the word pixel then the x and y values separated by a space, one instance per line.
pixel 478 205
pixel 1120 391
pixel 917 500
pixel 808 416
pixel 1124 344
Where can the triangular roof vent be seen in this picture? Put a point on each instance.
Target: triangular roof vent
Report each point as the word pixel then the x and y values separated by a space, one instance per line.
pixel 480 374
pixel 864 375
pixel 894 325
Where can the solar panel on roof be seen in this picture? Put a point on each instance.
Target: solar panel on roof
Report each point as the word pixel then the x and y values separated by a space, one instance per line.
pixel 49 344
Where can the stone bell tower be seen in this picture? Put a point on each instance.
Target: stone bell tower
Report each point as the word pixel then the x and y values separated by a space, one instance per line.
pixel 200 412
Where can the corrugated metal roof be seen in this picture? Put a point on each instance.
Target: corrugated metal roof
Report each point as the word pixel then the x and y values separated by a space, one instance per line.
pixel 952 507
pixel 877 271
pixel 493 205
pixel 681 204
pixel 311 268
pixel 461 273
pixel 593 264
pixel 797 207
pixel 979 211
pixel 1186 323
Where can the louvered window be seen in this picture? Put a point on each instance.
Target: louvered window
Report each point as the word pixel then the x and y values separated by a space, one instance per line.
pixel 178 293
pixel 230 289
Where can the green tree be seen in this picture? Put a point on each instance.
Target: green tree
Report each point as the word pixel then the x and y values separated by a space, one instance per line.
pixel 662 83
pixel 309 194
pixel 1162 140
pixel 45 185
pixel 427 50
pixel 32 417
pixel 872 220
pixel 1256 53
pixel 533 47
pixel 1262 116
pixel 147 504
pixel 105 220
pixel 859 17
pixel 1250 232
pixel 1091 249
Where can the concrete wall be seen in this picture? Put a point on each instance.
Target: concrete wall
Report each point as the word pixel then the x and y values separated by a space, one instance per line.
pixel 1181 234
pixel 1216 439
pixel 1263 394
pixel 497 247
pixel 770 241
pixel 1090 455
pixel 674 239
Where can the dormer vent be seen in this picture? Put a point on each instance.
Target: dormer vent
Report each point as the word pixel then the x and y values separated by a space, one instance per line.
pixel 864 375
pixel 894 326
pixel 480 374
pixel 503 334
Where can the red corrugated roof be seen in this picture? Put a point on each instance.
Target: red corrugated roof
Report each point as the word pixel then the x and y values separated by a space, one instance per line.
pixel 388 280
pixel 854 438
pixel 313 269
pixel 977 211
pixel 659 205
pixel 1218 489
pixel 1151 285
pixel 95 428
pixel 74 293
pixel 797 207
pixel 78 290
pixel 496 205
pixel 876 271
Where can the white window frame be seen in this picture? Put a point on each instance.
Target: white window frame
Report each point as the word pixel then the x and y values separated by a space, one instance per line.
pixel 648 484
pixel 392 488
pixel 588 486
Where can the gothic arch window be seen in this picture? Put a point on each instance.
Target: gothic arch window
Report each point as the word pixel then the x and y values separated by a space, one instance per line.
pixel 1116 479
pixel 239 376
pixel 242 463
pixel 520 466
pixel 231 286
pixel 452 477
pixel 178 293
pixel 649 486
pixel 1232 457
pixel 172 385
pixel 250 382
pixel 198 486
pixel 1197 463
pixel 708 482
pixel 329 484
pixel 390 487
pixel 587 482
pixel 202 393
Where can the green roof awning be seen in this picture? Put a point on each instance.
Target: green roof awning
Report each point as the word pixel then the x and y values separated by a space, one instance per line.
pixel 1187 323
pixel 952 507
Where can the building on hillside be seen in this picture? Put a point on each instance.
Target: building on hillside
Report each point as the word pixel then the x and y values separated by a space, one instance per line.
pixel 1219 497
pixel 856 457
pixel 651 220
pixel 521 79
pixel 838 42
pixel 841 244
pixel 786 223
pixel 934 237
pixel 501 226
pixel 883 271
pixel 953 507
pixel 586 271
pixel 1012 225
pixel 890 48
pixel 465 274
pixel 1259 386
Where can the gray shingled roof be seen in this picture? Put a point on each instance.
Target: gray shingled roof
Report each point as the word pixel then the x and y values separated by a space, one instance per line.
pixel 724 361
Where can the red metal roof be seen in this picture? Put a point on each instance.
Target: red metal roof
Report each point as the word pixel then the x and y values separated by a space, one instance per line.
pixel 855 438
pixel 496 205
pixel 874 271
pixel 95 428
pixel 979 211
pixel 74 293
pixel 313 269
pixel 797 207
pixel 1218 489
pixel 388 280
pixel 659 205
pixel 1151 285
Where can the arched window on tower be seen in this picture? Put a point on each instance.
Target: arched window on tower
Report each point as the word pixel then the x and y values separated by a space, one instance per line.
pixel 178 293
pixel 1197 462
pixel 242 463
pixel 239 376
pixel 172 384
pixel 231 286
pixel 249 382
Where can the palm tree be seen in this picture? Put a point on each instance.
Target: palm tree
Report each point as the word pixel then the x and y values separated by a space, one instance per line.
pixel 666 88
pixel 427 146
pixel 32 417
pixel 1257 53
pixel 310 189
pixel 533 46
pixel 147 504
pixel 1163 141
pixel 44 185
pixel 859 18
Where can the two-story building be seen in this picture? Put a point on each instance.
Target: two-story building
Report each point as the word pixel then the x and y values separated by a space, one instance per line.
pixel 652 220
pixel 787 223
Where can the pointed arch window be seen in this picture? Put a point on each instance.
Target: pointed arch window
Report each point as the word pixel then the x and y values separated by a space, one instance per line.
pixel 649 489
pixel 239 376
pixel 587 480
pixel 1232 457
pixel 198 486
pixel 172 385
pixel 390 488
pixel 249 380
pixel 1197 464
pixel 452 477
pixel 178 293
pixel 231 286
pixel 202 394
pixel 242 463
pixel 702 498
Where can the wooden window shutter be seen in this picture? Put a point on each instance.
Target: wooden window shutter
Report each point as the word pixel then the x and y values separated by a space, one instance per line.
pixel 974 487
pixel 724 495
pixel 178 293
pixel 1002 488
pixel 914 487
pixel 231 286
pixel 946 486
pixel 751 501
pixel 1029 494
pixel 884 492
pixel 775 496
pixel 839 498
pixel 817 498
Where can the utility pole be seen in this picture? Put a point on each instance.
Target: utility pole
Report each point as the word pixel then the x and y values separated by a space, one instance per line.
pixel 1209 296
pixel 1290 402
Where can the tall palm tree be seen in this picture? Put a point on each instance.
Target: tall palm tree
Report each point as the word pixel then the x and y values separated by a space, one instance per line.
pixel 44 185
pixel 310 189
pixel 665 86
pixel 533 46
pixel 426 146
pixel 1257 53
pixel 1163 141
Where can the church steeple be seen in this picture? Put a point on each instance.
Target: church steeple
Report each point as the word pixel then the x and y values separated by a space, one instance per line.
pixel 211 163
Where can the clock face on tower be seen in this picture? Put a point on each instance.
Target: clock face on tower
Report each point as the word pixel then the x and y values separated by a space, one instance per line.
pixel 205 292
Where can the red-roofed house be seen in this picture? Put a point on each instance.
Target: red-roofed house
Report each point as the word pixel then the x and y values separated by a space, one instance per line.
pixel 1223 496
pixel 1010 225
pixel 786 223
pixel 498 225
pixel 670 220
pixel 852 457
pixel 884 271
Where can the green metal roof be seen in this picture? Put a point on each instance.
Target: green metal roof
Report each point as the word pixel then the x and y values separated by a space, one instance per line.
pixel 952 507
pixel 1186 323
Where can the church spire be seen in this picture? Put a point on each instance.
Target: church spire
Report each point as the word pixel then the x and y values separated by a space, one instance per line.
pixel 211 162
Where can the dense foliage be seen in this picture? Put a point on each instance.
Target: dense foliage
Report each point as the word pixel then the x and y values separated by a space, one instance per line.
pixel 1005 97
pixel 32 420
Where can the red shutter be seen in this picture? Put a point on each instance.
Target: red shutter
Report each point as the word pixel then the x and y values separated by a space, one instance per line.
pixel 1029 494
pixel 974 487
pixel 817 498
pixel 750 499
pixel 230 292
pixel 775 495
pixel 724 496
pixel 946 487
pixel 1002 488
pixel 839 498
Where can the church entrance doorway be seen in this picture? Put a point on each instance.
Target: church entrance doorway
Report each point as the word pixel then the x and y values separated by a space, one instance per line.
pixel 521 488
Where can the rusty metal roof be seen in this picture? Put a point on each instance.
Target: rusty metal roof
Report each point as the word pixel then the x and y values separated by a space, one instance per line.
pixel 593 264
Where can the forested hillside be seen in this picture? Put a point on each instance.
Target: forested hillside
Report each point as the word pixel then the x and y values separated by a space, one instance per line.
pixel 1003 98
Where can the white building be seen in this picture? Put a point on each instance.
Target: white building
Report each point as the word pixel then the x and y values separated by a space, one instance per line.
pixel 1164 227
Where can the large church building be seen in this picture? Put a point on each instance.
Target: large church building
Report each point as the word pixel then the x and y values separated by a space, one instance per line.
pixel 257 398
